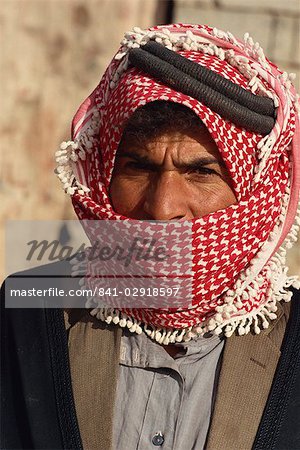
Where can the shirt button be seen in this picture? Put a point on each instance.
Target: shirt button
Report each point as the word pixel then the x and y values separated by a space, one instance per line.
pixel 158 439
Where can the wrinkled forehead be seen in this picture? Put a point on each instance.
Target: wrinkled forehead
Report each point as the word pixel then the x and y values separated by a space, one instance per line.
pixel 135 89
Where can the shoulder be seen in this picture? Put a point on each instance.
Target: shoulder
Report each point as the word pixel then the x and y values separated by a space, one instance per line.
pixel 62 267
pixel 289 309
pixel 287 312
pixel 33 287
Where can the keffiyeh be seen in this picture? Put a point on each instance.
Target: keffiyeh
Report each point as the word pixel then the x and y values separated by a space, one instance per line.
pixel 237 267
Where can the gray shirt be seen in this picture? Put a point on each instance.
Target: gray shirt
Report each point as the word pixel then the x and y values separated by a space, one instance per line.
pixel 164 402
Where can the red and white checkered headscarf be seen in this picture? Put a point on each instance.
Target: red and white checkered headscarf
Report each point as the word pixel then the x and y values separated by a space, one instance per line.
pixel 238 268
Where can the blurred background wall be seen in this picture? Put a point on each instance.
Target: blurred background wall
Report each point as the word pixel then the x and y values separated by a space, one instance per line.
pixel 272 23
pixel 53 53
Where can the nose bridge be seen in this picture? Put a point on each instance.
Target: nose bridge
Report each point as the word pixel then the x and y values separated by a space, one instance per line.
pixel 166 199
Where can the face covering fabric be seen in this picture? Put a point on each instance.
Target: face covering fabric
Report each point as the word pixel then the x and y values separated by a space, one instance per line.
pixel 237 265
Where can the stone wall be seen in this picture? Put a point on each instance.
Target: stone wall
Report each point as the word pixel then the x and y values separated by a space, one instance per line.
pixel 52 55
pixel 273 23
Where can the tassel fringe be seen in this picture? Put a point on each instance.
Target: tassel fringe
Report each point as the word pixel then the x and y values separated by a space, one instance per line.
pixel 71 151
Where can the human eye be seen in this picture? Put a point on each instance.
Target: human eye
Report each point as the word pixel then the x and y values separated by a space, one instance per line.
pixel 136 166
pixel 201 172
pixel 205 170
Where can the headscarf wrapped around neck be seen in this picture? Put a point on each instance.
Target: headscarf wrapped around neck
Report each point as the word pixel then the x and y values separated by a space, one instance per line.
pixel 238 253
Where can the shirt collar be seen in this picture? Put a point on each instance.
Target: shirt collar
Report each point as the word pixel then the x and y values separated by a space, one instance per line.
pixel 139 350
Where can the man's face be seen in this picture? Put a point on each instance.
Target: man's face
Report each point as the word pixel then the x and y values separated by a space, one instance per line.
pixel 175 176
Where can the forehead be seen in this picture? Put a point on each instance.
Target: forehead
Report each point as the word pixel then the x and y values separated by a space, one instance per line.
pixel 181 144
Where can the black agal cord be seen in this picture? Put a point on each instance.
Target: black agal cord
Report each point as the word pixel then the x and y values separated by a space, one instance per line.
pixel 246 110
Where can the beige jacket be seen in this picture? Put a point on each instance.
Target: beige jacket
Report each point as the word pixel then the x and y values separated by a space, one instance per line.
pixel 247 371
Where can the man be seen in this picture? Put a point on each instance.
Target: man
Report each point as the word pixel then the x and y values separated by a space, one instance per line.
pixel 188 126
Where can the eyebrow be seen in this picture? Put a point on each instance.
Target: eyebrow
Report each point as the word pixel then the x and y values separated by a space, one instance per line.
pixel 195 163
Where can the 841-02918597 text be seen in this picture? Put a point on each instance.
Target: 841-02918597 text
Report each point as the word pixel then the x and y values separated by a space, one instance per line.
pixel 138 291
